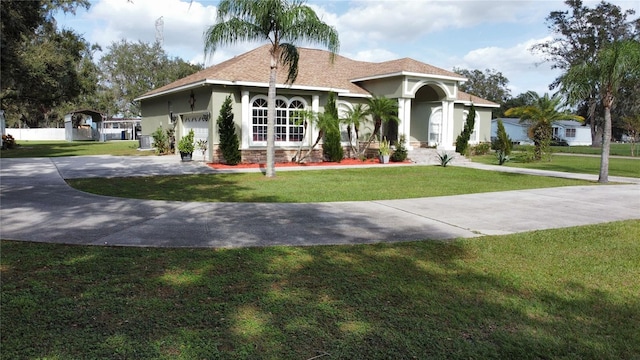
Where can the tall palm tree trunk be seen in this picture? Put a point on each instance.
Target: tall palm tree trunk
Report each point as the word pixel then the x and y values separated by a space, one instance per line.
pixel 271 115
pixel 606 144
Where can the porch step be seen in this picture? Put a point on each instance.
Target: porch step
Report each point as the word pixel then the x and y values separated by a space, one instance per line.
pixel 426 156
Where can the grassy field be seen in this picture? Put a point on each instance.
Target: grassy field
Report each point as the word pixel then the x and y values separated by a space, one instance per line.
pixel 75 148
pixel 618 149
pixel 569 293
pixel 574 164
pixel 319 185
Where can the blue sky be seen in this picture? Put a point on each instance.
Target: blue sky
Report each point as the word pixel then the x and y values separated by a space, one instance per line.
pixel 471 34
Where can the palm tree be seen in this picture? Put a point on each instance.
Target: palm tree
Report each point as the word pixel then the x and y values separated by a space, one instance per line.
pixel 612 65
pixel 382 110
pixel 283 23
pixel 352 118
pixel 540 115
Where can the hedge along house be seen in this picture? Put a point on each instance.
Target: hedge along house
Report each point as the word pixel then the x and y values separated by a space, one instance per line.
pixel 431 109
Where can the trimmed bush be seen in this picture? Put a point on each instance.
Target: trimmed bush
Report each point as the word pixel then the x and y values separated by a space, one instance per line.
pixel 400 154
pixel 229 144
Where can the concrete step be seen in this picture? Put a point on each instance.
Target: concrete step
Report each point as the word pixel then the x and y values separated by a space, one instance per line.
pixel 428 156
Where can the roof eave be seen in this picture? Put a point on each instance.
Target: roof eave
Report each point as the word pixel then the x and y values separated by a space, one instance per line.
pixel 193 85
pixel 468 103
pixel 182 88
pixel 409 73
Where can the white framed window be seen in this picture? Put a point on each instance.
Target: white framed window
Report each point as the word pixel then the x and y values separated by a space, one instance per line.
pixel 288 129
pixel 259 119
pixel 570 133
pixel 435 127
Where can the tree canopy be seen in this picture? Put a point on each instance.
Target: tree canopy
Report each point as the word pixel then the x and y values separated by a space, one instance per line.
pixel 489 84
pixel 603 76
pixel 579 34
pixel 41 64
pixel 130 69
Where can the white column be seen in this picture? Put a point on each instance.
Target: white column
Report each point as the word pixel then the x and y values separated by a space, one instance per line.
pixel 245 120
pixel 404 115
pixel 447 140
pixel 315 108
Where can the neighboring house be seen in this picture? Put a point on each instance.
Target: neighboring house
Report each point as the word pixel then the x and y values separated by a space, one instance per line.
pixel 432 110
pixel 518 132
pixel 572 132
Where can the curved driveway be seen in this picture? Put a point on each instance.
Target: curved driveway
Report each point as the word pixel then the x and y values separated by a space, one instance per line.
pixel 36 204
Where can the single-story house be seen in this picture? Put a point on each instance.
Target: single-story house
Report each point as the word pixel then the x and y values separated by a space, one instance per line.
pixel 572 132
pixel 431 108
pixel 517 131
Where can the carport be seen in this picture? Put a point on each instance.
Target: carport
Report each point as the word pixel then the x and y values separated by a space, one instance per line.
pixel 88 131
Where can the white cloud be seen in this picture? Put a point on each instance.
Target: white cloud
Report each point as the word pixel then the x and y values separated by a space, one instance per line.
pixel 184 23
pixel 524 69
pixel 373 55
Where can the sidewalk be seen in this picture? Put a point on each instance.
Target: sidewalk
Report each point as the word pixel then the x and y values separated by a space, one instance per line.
pixel 37 205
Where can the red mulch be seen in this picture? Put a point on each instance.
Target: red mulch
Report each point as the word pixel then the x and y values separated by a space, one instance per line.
pixel 289 164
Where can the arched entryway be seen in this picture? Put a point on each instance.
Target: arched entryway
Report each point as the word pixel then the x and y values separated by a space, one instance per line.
pixel 427 115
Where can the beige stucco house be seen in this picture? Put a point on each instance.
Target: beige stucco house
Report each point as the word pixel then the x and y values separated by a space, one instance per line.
pixel 432 110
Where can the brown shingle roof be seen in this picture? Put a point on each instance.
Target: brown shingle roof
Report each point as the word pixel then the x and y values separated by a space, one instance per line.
pixel 315 70
pixel 464 97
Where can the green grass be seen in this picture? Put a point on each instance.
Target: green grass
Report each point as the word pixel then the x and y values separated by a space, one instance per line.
pixel 573 164
pixel 568 293
pixel 618 149
pixel 76 148
pixel 319 185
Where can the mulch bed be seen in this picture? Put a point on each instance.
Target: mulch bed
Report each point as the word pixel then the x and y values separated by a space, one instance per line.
pixel 290 164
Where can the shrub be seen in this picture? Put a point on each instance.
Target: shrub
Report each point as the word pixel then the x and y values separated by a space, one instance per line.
pixel 161 141
pixel 502 142
pixel 401 152
pixel 445 158
pixel 186 145
pixel 229 144
pixel 462 141
pixel 8 142
pixel 481 149
pixel 502 157
pixel 332 148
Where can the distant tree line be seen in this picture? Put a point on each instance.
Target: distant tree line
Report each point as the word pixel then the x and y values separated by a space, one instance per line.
pixel 47 72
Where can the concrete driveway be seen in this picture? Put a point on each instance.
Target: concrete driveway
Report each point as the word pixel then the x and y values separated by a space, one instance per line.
pixel 36 204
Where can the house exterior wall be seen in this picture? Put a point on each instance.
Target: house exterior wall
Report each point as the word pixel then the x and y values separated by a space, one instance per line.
pixel 390 87
pixel 420 115
pixel 485 125
pixel 517 132
pixel 582 135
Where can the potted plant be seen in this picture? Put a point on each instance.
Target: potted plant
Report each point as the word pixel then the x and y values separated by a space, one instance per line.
pixel 186 146
pixel 202 146
pixel 384 151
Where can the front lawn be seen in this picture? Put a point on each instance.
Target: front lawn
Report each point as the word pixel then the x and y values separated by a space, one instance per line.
pixel 319 185
pixel 619 149
pixel 574 164
pixel 75 148
pixel 556 294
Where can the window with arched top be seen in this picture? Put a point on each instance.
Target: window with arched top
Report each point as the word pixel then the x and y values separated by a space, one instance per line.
pixel 288 127
pixel 259 119
pixel 435 127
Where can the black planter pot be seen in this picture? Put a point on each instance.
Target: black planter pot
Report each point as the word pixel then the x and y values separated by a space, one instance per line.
pixel 185 156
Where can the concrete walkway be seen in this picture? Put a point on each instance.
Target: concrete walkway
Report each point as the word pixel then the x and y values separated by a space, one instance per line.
pixel 37 205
